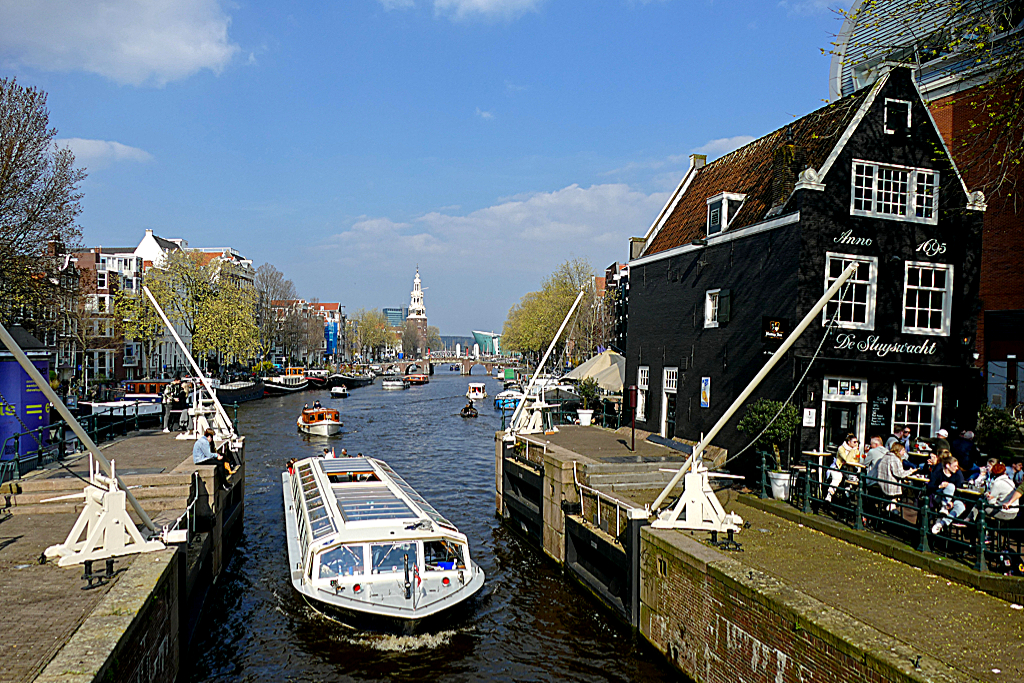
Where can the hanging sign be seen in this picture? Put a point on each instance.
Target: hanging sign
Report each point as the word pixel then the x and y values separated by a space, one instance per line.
pixel 705 392
pixel 773 331
pixel 810 417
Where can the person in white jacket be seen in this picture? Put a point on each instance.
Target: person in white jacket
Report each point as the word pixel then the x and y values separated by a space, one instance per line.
pixel 1000 491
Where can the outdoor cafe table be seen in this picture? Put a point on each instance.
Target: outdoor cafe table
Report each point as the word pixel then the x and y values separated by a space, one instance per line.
pixel 820 455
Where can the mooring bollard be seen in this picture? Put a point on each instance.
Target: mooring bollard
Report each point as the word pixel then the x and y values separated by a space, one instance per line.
pixel 922 521
pixel 858 523
pixel 764 475
pixel 981 563
pixel 807 488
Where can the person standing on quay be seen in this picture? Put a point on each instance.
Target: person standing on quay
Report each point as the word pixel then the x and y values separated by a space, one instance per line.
pixel 171 400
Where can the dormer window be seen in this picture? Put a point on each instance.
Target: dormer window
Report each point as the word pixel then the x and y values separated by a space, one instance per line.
pixel 722 209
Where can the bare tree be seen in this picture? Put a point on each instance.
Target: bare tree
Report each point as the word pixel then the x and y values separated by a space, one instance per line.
pixel 39 199
pixel 270 285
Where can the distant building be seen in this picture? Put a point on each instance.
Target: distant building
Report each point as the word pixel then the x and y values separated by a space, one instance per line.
pixel 489 342
pixel 396 316
pixel 335 340
pixel 616 277
pixel 418 315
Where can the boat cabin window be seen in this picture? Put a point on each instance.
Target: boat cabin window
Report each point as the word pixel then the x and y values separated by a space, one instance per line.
pixel 343 560
pixel 442 555
pixel 390 557
pixel 352 477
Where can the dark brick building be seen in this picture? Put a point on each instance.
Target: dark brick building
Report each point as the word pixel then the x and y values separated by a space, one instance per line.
pixel 747 245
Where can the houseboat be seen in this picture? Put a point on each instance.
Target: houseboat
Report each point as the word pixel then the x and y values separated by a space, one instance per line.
pixel 366 547
pixel 240 391
pixel 319 421
pixel 317 378
pixel 293 379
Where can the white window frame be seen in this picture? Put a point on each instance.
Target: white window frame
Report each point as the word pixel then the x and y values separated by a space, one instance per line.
pixel 711 308
pixel 101 279
pixel 936 408
pixel 886 113
pixel 723 217
pixel 643 384
pixel 914 175
pixel 861 401
pixel 947 298
pixel 872 285
pixel 669 385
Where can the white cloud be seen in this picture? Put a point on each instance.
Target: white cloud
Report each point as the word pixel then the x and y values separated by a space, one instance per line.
pixel 396 4
pixel 505 9
pixel 100 153
pixel 559 221
pixel 484 114
pixel 808 6
pixel 127 41
pixel 716 148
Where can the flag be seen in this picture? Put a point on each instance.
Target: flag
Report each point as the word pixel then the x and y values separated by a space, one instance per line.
pixel 416 573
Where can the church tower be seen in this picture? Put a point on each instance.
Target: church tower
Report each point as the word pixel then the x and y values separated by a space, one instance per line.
pixel 418 314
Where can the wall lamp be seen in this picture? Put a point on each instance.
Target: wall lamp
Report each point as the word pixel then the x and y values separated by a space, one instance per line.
pixel 699 242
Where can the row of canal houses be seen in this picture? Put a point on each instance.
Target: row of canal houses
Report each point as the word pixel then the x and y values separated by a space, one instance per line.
pixel 748 243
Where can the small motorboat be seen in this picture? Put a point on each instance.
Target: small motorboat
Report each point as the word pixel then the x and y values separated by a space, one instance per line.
pixel 389 383
pixel 364 545
pixel 417 378
pixel 319 421
pixel 477 391
pixel 469 411
pixel 340 391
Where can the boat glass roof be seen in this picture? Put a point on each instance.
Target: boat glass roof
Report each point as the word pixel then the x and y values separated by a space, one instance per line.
pixel 416 498
pixel 367 502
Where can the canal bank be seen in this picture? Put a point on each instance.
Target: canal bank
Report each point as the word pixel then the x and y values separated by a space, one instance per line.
pixel 138 624
pixel 795 604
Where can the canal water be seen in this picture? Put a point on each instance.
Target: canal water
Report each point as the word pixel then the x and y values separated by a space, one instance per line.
pixel 529 622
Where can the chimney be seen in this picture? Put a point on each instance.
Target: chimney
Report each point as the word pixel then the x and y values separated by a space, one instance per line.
pixel 149 232
pixel 698 160
pixel 787 162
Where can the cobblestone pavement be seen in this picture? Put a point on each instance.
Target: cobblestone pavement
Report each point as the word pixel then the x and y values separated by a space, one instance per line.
pixel 969 630
pixel 42 605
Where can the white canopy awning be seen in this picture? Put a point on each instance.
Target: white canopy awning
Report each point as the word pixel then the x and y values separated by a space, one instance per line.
pixel 607 367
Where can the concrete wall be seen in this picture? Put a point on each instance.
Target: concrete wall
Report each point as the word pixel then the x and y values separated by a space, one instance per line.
pixel 134 633
pixel 721 622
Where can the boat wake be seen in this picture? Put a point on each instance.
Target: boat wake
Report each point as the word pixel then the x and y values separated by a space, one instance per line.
pixel 395 643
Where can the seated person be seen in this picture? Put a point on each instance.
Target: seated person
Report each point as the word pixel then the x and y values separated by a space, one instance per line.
pixel 874 454
pixel 1000 492
pixel 929 465
pixel 849 452
pixel 889 470
pixel 942 485
pixel 983 478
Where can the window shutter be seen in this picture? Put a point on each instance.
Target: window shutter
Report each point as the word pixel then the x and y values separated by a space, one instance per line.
pixel 724 306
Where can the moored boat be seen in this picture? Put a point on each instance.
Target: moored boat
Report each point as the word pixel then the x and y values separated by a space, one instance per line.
pixel 240 391
pixel 354 381
pixel 364 545
pixel 508 399
pixel 317 378
pixel 294 379
pixel 319 421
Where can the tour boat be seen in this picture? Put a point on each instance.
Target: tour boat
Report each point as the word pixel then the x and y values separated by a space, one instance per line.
pixel 293 380
pixel 340 391
pixel 418 378
pixel 393 383
pixel 364 546
pixel 477 391
pixel 508 399
pixel 319 421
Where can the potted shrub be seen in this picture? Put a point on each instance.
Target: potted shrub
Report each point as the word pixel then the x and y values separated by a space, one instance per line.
pixel 589 392
pixel 758 416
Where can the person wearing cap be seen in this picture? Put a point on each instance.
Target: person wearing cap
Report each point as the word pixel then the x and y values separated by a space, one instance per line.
pixel 940 442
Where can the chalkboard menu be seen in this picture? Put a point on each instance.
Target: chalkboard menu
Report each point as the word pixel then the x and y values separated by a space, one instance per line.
pixel 878 408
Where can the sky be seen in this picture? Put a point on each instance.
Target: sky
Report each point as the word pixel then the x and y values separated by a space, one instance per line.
pixel 347 143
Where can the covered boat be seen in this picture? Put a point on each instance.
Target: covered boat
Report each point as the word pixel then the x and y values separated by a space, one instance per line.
pixel 394 383
pixel 364 545
pixel 340 391
pixel 294 379
pixel 320 421
pixel 477 391
pixel 508 399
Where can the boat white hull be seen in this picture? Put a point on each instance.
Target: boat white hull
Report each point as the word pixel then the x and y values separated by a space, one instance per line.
pixel 393 386
pixel 382 601
pixel 321 428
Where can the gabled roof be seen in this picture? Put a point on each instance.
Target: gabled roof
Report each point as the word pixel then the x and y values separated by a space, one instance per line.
pixel 166 245
pixel 750 170
pixel 327 307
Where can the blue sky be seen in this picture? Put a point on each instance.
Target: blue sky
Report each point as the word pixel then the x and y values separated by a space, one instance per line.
pixel 484 140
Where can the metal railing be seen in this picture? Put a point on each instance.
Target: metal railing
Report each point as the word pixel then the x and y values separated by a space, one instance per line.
pixel 608 414
pixel 619 504
pixel 977 536
pixel 56 441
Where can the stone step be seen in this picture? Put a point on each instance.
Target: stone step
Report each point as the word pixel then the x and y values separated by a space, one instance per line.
pixel 615 467
pixel 144 493
pixel 70 483
pixel 598 480
pixel 150 505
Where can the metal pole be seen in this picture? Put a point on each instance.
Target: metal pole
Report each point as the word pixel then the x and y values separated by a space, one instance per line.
pixel 199 373
pixel 53 398
pixel 776 357
pixel 540 366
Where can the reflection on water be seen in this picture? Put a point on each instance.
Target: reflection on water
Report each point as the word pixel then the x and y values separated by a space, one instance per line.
pixel 528 623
